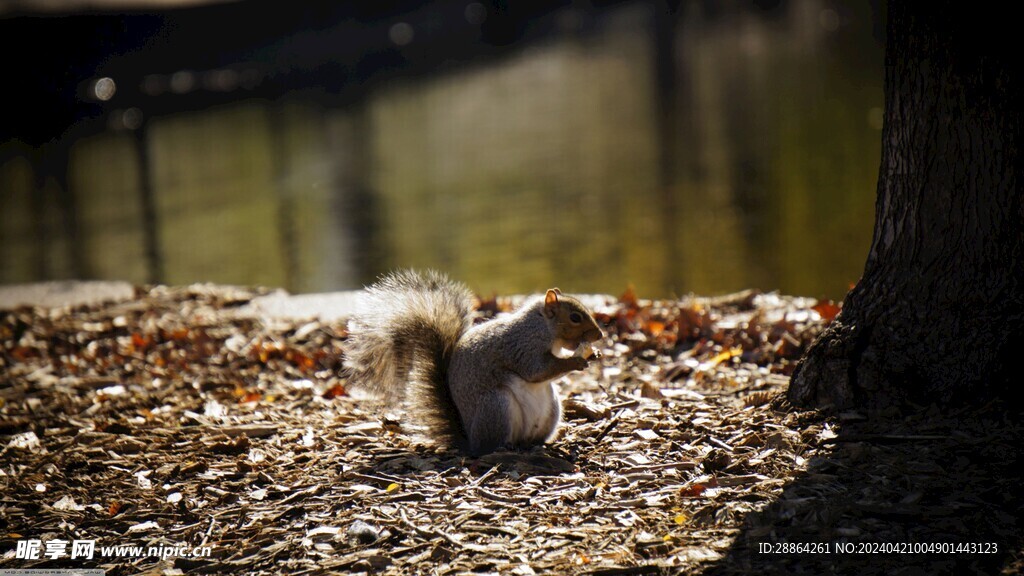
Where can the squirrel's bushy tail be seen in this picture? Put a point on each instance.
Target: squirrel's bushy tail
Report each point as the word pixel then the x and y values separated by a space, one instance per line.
pixel 401 341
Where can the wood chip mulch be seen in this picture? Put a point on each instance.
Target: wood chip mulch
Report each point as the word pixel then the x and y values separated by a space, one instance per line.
pixel 176 419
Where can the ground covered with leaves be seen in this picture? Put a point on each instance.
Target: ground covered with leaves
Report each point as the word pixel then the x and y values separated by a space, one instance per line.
pixel 185 419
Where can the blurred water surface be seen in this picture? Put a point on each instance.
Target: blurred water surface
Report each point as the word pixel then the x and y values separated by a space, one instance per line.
pixel 571 162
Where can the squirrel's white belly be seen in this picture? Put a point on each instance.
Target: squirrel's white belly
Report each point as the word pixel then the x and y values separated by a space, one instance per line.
pixel 534 411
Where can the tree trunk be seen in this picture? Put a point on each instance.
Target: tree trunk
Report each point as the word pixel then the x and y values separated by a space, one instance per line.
pixel 936 316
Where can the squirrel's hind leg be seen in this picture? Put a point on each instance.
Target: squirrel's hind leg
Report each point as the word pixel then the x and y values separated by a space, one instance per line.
pixel 490 427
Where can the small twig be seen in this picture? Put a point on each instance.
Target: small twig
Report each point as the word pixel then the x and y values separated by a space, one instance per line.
pixel 500 498
pixel 380 479
pixel 209 530
pixel 486 475
pixel 626 571
pixel 431 534
pixel 628 403
pixel 655 467
pixel 608 428
pixel 727 481
pixel 720 443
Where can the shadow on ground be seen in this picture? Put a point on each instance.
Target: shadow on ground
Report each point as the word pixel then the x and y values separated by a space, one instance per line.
pixel 931 478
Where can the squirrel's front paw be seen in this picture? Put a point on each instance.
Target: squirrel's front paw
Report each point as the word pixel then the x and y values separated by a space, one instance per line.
pixel 578 362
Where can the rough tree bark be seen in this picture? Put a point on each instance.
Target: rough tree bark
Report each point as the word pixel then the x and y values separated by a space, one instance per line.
pixel 936 314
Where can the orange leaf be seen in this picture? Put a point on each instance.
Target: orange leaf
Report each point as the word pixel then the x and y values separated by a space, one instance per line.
pixel 140 342
pixel 692 322
pixel 114 508
pixel 300 360
pixel 246 395
pixel 629 297
pixel 692 490
pixel 827 309
pixel 697 488
pixel 23 353
pixel 655 327
pixel 670 333
pixel 334 391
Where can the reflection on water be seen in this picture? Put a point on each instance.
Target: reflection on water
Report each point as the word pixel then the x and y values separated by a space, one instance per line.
pixel 563 163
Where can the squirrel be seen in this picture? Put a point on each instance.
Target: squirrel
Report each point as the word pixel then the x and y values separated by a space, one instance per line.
pixel 477 388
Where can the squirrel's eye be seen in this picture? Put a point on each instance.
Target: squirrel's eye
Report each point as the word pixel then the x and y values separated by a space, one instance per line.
pixel 575 317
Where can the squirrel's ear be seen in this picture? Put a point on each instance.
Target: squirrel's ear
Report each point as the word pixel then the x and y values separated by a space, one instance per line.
pixel 551 298
pixel 551 301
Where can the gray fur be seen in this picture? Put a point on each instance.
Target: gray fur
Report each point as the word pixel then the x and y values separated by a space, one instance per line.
pixel 505 359
pixel 401 341
pixel 479 387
